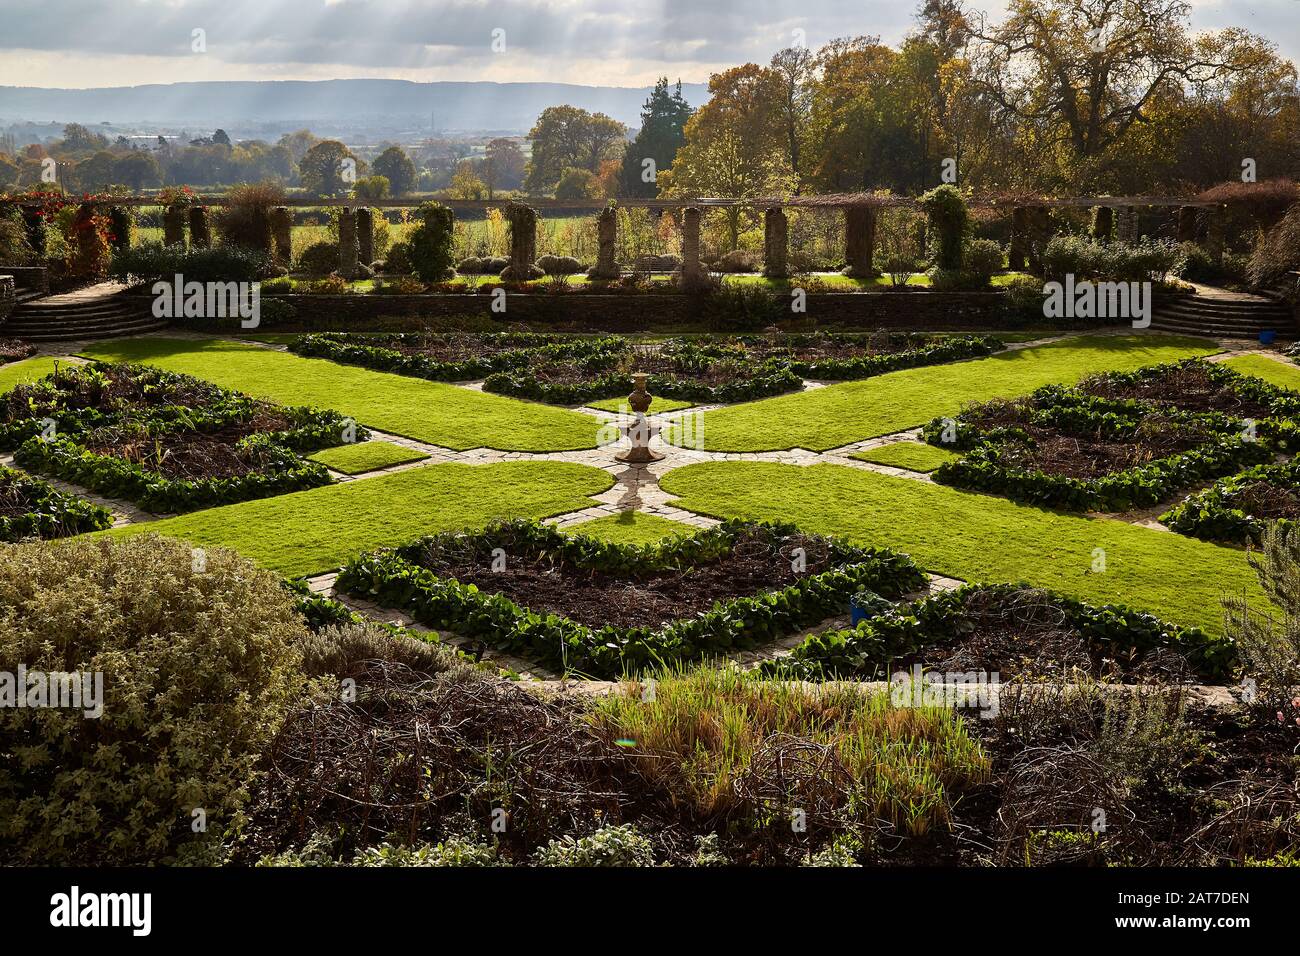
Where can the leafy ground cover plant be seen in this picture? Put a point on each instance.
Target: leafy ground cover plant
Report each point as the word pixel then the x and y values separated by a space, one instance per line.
pixel 1237 509
pixel 1016 631
pixel 1064 448
pixel 31 508
pixel 165 441
pixel 608 609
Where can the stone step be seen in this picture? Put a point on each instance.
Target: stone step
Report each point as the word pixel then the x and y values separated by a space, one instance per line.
pixel 101 332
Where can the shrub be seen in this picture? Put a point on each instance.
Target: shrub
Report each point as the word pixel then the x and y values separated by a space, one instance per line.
pixel 981 258
pixel 200 666
pixel 949 222
pixel 577 183
pixel 738 260
pixel 1025 298
pixel 1200 266
pixel 152 262
pixel 1071 255
pixel 319 259
pixel 741 308
pixel 245 219
pixel 399 259
pixel 558 265
pixel 1277 252
pixel 900 268
pixel 14 247
pixel 430 243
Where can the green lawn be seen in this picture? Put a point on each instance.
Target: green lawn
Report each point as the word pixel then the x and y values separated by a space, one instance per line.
pixel 1283 374
pixel 912 455
pixel 412 407
pixel 978 537
pixel 631 527
pixel 656 405
pixel 27 370
pixel 310 532
pixel 366 456
pixel 853 411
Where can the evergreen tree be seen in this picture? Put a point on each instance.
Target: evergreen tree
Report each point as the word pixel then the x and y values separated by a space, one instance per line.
pixel 662 120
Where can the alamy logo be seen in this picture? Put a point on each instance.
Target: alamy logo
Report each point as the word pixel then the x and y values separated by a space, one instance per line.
pixel 179 299
pixel 63 690
pixel 74 908
pixel 1098 300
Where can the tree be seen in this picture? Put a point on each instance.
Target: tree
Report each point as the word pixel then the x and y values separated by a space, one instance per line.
pixel 793 68
pixel 299 142
pixel 395 166
pixel 1080 74
pixel 566 136
pixel 577 184
pixel 221 138
pixel 503 165
pixel 662 133
pixel 371 187
pixel 137 170
pixel 465 184
pixel 322 168
pixel 78 139
pixel 96 173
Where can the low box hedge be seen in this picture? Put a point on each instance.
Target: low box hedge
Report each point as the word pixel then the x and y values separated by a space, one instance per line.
pixel 394 578
pixel 867 651
pixel 48 513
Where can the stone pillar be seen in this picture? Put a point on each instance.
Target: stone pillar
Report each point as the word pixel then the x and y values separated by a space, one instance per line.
pixel 776 240
pixel 35 225
pixel 1038 232
pixel 8 297
pixel 692 277
pixel 174 226
pixel 607 245
pixel 860 241
pixel 1187 223
pixel 1215 231
pixel 1103 223
pixel 120 228
pixel 282 234
pixel 90 250
pixel 366 235
pixel 349 250
pixel 1126 227
pixel 200 231
pixel 1018 248
pixel 523 243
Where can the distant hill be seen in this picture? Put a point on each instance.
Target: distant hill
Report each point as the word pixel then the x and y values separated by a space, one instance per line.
pixel 452 106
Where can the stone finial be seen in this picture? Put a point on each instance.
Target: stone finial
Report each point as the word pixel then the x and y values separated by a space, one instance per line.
pixel 639 432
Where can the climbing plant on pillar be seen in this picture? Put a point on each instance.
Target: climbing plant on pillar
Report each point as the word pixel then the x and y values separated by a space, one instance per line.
pixel 430 243
pixel 523 243
pixel 948 220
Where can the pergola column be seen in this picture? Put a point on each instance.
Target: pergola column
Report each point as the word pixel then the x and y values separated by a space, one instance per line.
pixel 120 227
pixel 859 241
pixel 523 243
pixel 1187 223
pixel 349 251
pixel 1018 247
pixel 606 245
pixel 174 226
pixel 776 237
pixel 36 233
pixel 282 234
pixel 366 235
pixel 1215 231
pixel 90 252
pixel 1103 223
pixel 692 276
pixel 200 232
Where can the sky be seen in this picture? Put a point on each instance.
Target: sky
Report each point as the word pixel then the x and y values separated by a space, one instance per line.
pixel 89 43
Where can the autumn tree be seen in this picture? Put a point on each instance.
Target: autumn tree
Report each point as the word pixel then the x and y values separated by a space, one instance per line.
pixel 568 137
pixel 503 165
pixel 322 169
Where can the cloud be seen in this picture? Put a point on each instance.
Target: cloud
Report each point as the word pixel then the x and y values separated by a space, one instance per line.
pixel 625 42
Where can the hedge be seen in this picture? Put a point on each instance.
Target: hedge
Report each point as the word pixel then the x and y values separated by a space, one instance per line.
pixel 867 651
pixel 985 466
pixel 394 578
pixel 50 513
pixel 1213 514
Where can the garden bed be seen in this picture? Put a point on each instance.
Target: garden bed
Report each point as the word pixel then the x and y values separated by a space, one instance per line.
pixel 169 442
pixel 734 586
pixel 1017 632
pixel 1065 448
pixel 31 508
pixel 11 350
pixel 1236 509
pixel 1196 386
